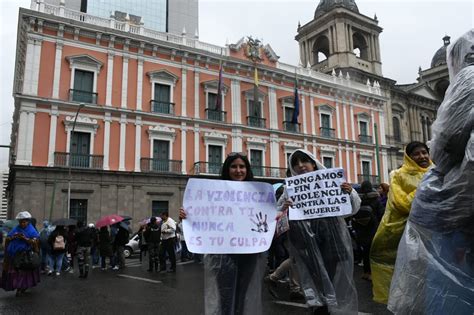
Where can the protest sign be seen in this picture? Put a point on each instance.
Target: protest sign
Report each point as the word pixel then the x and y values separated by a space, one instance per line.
pixel 318 194
pixel 228 217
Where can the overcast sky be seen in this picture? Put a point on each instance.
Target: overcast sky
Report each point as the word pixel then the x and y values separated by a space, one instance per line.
pixel 412 32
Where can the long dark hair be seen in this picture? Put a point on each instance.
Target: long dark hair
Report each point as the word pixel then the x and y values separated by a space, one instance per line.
pixel 228 161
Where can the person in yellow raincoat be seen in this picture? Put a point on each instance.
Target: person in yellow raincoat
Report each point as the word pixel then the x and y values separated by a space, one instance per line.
pixel 383 252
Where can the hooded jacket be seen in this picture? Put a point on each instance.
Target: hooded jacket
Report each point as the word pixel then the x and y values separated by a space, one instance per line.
pixel 383 252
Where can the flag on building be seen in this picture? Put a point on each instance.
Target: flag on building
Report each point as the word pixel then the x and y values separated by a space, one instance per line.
pixel 255 88
pixel 219 91
pixel 296 111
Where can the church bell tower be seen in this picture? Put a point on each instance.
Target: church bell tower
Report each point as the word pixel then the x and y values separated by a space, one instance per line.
pixel 341 38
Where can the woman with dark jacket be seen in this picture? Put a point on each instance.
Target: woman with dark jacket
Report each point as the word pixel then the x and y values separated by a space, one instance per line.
pixel 57 241
pixel 366 221
pixel 105 247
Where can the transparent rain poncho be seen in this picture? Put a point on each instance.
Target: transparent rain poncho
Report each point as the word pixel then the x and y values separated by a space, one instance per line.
pixel 434 271
pixel 322 249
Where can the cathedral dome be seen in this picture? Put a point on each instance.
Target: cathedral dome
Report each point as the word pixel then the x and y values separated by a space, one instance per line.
pixel 327 5
pixel 439 57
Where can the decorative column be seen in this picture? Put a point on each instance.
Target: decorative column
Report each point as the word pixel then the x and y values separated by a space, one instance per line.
pixel 107 120
pixel 237 140
pixel 354 155
pixel 303 107
pixel 311 109
pixel 124 81
pixel 372 119
pixel 197 143
pixel 235 102
pixel 184 153
pixel 138 143
pixel 351 118
pixel 274 150
pixel 32 61
pixel 57 68
pixel 140 83
pixel 123 137
pixel 52 134
pixel 110 74
pixel 25 133
pixel 348 166
pixel 338 120
pixel 196 93
pixel 344 119
pixel 272 100
pixel 184 101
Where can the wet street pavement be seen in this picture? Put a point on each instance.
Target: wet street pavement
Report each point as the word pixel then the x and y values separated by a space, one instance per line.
pixel 136 291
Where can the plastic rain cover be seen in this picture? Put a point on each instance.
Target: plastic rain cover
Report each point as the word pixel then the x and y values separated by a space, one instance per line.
pixel 434 272
pixel 322 249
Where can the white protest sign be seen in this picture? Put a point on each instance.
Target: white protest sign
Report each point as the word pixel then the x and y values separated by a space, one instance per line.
pixel 318 194
pixel 228 217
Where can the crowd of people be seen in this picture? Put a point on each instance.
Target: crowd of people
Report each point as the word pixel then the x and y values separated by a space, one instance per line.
pixel 418 227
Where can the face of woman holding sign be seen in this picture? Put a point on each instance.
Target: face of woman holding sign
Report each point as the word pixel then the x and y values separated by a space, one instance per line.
pixel 237 167
pixel 302 163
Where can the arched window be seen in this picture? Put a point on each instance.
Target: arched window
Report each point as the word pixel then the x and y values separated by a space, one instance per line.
pixel 361 49
pixel 320 49
pixel 396 129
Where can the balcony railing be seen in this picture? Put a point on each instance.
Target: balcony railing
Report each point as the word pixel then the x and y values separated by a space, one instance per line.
pixel 266 171
pixel 290 126
pixel 373 179
pixel 63 159
pixel 365 139
pixel 160 166
pixel 207 168
pixel 215 115
pixel 254 121
pixel 162 107
pixel 82 96
pixel 327 132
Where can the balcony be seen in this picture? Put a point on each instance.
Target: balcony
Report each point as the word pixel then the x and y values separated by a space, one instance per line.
pixel 162 107
pixel 290 126
pixel 63 159
pixel 215 115
pixel 327 132
pixel 254 121
pixel 82 96
pixel 266 171
pixel 365 139
pixel 373 179
pixel 160 166
pixel 207 168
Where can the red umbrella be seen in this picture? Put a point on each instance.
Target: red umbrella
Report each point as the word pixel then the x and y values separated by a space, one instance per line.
pixel 108 220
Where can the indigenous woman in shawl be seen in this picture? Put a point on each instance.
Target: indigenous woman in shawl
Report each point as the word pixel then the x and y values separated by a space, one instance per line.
pixel 22 238
pixel 404 182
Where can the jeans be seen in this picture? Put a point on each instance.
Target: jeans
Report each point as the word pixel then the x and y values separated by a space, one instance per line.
pixel 56 260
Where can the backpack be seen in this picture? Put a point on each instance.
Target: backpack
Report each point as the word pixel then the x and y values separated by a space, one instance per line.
pixel 59 243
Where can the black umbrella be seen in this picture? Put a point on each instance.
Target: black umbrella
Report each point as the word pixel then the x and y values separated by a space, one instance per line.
pixel 126 217
pixel 65 222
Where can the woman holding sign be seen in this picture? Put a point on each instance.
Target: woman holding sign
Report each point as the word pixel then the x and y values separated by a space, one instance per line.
pixel 322 248
pixel 233 282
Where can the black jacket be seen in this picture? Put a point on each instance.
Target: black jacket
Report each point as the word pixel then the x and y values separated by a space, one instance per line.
pixel 85 237
pixel 122 237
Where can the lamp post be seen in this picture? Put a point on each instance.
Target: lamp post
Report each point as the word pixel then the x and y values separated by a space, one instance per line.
pixel 81 105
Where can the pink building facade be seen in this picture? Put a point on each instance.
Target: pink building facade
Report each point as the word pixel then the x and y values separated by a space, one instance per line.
pixel 147 119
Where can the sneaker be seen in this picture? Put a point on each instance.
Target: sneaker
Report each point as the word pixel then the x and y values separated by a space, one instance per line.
pixel 50 273
pixel 71 271
pixel 115 268
pixel 57 273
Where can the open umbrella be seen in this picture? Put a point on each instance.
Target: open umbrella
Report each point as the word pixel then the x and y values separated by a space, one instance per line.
pixel 108 220
pixel 64 222
pixel 127 218
pixel 147 220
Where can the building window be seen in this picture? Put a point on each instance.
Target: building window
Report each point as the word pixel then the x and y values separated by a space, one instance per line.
pixel 83 90
pixel 288 124
pixel 256 160
pixel 214 113
pixel 255 117
pixel 325 129
pixel 158 207
pixel 364 132
pixel 78 210
pixel 161 156
pixel 80 149
pixel 214 159
pixel 366 168
pixel 161 102
pixel 396 129
pixel 328 162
